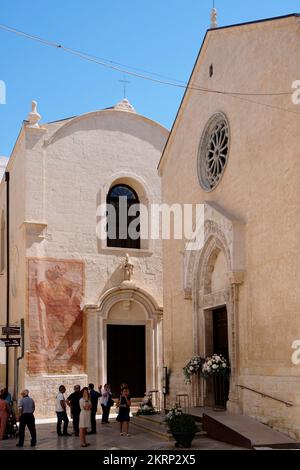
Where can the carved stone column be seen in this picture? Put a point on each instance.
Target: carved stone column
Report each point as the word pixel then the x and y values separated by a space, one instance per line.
pixel 236 278
pixel 92 343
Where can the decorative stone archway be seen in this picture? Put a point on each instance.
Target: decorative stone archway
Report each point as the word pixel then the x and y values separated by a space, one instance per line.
pixel 222 234
pixel 125 305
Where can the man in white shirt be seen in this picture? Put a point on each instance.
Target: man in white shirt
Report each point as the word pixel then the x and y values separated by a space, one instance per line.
pixel 61 412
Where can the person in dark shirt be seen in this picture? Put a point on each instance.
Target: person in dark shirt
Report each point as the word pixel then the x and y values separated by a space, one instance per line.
pixel 94 397
pixel 73 402
pixel 123 417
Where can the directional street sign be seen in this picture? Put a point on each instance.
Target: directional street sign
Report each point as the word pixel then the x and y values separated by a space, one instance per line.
pixel 10 342
pixel 11 330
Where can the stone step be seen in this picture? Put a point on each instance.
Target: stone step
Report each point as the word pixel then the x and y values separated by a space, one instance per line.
pixel 244 431
pixel 155 424
pixel 286 446
pixel 133 399
pixel 135 404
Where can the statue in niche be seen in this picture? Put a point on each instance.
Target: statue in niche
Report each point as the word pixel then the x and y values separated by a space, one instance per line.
pixel 128 268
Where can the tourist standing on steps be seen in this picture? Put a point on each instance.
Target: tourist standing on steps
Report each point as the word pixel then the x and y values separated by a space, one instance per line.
pixel 85 416
pixel 94 397
pixel 26 409
pixel 124 411
pixel 61 412
pixel 73 402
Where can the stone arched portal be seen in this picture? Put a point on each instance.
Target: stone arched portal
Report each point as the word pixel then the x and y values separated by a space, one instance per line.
pixel 126 305
pixel 212 277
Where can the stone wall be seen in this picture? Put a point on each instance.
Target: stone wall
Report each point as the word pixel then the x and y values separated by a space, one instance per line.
pixel 260 188
pixel 44 388
pixel 60 174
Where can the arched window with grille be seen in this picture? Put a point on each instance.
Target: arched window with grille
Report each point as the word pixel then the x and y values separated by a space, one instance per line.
pixel 123 217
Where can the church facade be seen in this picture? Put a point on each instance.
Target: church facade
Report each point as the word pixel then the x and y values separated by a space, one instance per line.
pixel 92 306
pixel 104 309
pixel 235 150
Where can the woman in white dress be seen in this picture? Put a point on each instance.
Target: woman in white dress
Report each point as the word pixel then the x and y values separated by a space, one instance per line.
pixel 85 416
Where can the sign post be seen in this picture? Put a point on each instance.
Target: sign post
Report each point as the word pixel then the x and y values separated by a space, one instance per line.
pixel 15 335
pixel 11 342
pixel 14 330
pixel 11 330
pixel 16 380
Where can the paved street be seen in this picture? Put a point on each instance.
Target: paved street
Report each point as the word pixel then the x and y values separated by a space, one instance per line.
pixel 107 438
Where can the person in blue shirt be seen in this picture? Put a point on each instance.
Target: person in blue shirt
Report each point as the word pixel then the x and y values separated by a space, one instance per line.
pixel 26 409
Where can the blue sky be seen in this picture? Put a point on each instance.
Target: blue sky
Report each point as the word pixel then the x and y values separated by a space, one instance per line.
pixel 161 36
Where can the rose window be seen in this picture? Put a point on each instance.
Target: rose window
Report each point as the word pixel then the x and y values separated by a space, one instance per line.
pixel 213 152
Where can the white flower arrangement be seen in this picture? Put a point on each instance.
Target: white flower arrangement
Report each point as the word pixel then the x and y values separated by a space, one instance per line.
pixel 192 367
pixel 175 410
pixel 216 364
pixel 146 407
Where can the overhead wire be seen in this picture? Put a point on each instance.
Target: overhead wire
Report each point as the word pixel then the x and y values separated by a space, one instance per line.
pixel 135 72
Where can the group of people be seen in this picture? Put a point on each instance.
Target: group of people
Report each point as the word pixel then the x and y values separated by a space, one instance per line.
pixel 83 404
pixel 26 408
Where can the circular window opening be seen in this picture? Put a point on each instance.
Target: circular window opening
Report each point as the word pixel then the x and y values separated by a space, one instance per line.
pixel 213 152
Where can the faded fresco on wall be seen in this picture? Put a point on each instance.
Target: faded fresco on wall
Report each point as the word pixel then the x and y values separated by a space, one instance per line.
pixel 55 293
